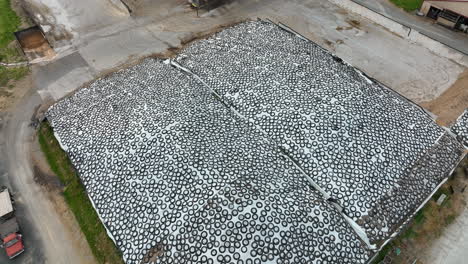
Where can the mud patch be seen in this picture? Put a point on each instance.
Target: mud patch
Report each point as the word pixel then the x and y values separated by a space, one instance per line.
pixel 339 28
pixel 451 104
pixel 42 173
pixel 354 23
pixel 45 179
pixel 328 42
pixel 34 44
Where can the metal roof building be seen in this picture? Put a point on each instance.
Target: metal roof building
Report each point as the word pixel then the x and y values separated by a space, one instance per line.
pixel 450 13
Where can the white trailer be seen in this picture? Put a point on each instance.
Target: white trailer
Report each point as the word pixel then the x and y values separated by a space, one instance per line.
pixel 6 207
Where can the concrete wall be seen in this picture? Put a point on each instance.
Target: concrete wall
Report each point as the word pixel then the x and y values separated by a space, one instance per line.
pixel 404 31
pixel 425 7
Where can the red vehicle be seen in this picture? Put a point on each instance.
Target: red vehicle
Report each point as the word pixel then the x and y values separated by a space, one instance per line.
pixel 12 241
pixel 13 245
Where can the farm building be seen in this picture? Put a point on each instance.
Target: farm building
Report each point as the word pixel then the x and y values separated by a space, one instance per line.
pixel 450 13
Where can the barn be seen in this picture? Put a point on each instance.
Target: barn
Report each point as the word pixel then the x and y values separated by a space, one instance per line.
pixel 450 13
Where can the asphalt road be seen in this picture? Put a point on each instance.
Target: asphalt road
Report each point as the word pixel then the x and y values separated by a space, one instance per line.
pixel 34 247
pixel 456 40
pixel 47 236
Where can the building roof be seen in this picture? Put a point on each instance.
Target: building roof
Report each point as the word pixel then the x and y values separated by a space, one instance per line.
pixel 459 7
pixel 5 203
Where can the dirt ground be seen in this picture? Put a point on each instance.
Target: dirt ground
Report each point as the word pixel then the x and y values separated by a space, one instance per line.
pixel 11 93
pixel 32 40
pixel 450 104
pixel 53 188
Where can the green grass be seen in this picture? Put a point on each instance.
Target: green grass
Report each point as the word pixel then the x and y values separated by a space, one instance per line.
pixel 10 54
pixel 382 253
pixel 14 73
pixel 408 5
pixel 75 195
pixel 419 217
pixel 410 233
pixel 9 23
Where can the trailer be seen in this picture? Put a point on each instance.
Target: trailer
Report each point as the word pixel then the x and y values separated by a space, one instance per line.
pixel 6 206
pixel 12 240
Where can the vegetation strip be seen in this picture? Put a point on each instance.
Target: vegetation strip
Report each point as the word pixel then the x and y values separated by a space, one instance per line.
pixel 9 23
pixel 77 199
pixel 408 5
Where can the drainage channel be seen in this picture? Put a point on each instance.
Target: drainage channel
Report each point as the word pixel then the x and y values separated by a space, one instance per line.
pixel 34 44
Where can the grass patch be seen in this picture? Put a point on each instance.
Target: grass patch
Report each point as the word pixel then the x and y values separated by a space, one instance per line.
pixel 10 54
pixel 9 74
pixel 410 233
pixel 9 23
pixel 408 5
pixel 450 219
pixel 419 217
pixel 75 195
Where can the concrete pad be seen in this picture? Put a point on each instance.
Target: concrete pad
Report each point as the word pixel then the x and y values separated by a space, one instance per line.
pixel 169 37
pixel 57 79
pixel 113 50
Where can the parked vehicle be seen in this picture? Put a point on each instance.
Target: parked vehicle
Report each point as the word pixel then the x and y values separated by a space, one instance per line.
pixel 13 245
pixel 11 239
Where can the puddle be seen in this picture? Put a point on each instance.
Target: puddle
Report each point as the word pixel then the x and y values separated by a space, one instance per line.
pixel 34 44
